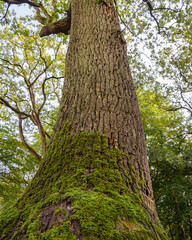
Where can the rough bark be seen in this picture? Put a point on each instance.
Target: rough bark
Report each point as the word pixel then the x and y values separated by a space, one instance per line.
pixel 99 94
pixel 94 182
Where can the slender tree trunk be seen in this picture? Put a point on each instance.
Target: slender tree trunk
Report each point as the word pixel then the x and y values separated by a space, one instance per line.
pixel 94 182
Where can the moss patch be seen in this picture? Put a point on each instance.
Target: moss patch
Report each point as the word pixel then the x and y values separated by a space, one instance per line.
pixel 81 191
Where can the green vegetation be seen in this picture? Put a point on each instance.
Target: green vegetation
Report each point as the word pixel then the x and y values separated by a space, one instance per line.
pixel 17 167
pixel 90 194
pixel 170 153
pixel 156 53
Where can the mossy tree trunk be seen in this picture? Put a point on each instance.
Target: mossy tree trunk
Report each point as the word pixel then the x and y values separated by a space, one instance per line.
pixel 94 182
pixel 99 94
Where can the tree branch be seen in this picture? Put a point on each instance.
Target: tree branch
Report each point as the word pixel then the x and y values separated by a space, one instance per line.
pixel 44 96
pixel 18 2
pixel 151 10
pixel 4 16
pixel 4 102
pixel 152 15
pixel 61 26
pixel 31 150
pixel 12 64
pixel 169 9
pixel 182 97
pixel 39 18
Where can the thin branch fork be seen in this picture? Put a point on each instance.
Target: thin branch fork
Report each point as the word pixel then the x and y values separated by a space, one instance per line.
pixel 17 2
pixel 182 97
pixel 31 150
pixel 43 91
pixel 21 115
pixel 10 63
pixel 151 10
pixel 44 96
pixel 152 15
pixel 36 119
pixel 17 111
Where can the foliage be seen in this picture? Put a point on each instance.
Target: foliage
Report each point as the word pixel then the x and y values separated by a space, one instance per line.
pixel 31 72
pixel 175 63
pixel 157 56
pixel 17 166
pixel 29 80
pixel 168 139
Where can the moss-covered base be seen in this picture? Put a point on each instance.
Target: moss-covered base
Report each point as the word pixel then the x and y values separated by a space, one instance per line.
pixel 81 191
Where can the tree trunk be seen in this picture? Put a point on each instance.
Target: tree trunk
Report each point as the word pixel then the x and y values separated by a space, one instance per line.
pixel 99 94
pixel 95 181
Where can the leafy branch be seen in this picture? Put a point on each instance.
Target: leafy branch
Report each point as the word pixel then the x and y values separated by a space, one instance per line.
pixel 34 70
pixel 152 10
pixel 43 17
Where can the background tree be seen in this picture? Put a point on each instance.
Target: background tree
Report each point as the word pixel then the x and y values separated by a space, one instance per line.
pixel 168 136
pixel 112 165
pixel 17 166
pixel 28 82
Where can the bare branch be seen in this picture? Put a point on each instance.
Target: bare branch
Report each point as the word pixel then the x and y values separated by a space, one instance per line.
pixel 183 76
pixel 51 125
pixel 18 2
pixel 48 17
pixel 47 135
pixel 53 77
pixel 151 9
pixel 21 69
pixel 10 63
pixel 31 150
pixel 169 9
pixel 57 49
pixel 173 108
pixel 55 92
pixel 182 97
pixel 44 96
pixel 5 12
pixel 40 74
pixel 16 110
pixel 125 24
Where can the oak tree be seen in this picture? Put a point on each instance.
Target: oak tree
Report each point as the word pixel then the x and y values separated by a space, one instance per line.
pixel 94 182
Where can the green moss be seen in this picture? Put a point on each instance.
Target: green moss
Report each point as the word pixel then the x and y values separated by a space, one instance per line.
pixel 61 232
pixel 59 210
pixel 82 171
